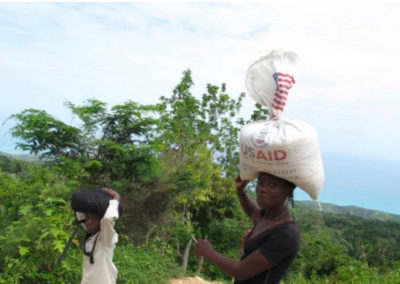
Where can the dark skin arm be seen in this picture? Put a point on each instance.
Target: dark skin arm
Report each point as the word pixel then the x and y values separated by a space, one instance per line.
pixel 252 265
pixel 249 206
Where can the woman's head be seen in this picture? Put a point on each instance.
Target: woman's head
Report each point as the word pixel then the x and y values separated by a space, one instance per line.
pixel 273 191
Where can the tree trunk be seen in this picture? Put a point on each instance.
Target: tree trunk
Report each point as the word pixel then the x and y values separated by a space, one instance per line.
pixel 148 234
pixel 185 257
pixel 199 264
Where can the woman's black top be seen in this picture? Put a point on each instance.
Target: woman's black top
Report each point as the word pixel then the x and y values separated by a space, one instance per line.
pixel 279 245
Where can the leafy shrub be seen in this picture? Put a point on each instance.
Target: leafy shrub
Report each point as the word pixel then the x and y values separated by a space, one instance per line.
pixel 36 223
pixel 141 265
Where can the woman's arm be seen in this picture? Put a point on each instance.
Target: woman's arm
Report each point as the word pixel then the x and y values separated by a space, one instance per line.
pixel 252 265
pixel 249 206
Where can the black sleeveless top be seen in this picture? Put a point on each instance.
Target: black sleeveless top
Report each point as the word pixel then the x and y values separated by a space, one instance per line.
pixel 279 245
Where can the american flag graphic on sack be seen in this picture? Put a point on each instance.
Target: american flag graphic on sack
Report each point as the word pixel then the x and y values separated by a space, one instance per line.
pixel 283 84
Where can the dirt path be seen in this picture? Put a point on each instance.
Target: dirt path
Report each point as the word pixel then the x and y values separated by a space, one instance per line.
pixel 191 280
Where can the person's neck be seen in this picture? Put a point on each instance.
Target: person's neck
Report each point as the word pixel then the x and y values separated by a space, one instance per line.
pixel 276 213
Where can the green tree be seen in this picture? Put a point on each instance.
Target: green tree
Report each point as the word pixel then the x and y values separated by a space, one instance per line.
pixel 212 121
pixel 108 146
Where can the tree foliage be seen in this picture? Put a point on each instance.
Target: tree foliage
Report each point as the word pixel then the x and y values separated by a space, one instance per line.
pixel 108 146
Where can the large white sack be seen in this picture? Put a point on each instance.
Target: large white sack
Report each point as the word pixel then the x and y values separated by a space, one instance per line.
pixel 287 149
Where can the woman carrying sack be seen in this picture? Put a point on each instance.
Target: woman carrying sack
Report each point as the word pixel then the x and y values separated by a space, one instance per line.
pixel 274 240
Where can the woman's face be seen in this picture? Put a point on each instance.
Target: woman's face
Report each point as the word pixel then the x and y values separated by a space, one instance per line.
pixel 271 190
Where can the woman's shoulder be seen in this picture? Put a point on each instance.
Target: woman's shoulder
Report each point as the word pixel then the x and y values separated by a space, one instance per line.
pixel 289 226
pixel 289 230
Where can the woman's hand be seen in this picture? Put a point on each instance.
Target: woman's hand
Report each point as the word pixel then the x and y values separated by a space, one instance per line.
pixel 240 184
pixel 202 248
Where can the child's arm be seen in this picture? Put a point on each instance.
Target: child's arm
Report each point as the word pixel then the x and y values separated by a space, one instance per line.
pixel 107 232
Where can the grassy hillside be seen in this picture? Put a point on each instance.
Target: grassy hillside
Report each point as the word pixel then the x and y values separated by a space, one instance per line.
pixel 351 210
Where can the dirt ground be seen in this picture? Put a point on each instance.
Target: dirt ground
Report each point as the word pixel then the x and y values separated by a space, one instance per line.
pixel 191 280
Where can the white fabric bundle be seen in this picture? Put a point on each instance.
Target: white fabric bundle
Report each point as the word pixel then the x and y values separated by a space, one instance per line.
pixel 283 147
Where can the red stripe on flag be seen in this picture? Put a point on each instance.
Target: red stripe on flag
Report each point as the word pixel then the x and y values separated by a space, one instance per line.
pixel 283 92
pixel 279 102
pixel 287 75
pixel 277 107
pixel 284 86
pixel 285 81
pixel 280 97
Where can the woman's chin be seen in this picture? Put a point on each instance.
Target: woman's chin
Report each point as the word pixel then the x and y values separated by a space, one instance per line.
pixel 262 203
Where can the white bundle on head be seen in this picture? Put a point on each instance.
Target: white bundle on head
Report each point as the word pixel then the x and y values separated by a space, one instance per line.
pixel 283 147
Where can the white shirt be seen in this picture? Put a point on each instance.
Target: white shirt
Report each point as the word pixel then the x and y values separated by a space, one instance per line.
pixel 103 270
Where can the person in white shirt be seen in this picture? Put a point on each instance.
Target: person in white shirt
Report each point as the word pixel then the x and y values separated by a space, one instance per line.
pixel 98 266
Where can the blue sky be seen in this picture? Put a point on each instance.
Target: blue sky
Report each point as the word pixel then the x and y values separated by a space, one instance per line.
pixel 347 88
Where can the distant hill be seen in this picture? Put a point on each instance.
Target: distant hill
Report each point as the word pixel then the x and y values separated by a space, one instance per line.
pixel 351 210
pixel 21 157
